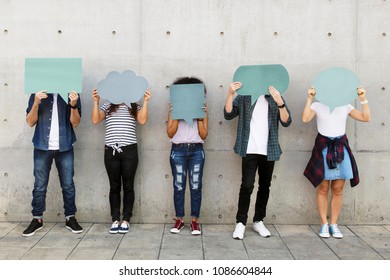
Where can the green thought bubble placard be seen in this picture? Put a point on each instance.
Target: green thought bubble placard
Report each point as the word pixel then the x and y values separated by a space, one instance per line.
pixel 256 79
pixel 56 75
pixel 187 102
pixel 336 87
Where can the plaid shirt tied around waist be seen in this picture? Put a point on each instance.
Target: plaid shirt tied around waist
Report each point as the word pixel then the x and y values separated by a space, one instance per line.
pixel 315 171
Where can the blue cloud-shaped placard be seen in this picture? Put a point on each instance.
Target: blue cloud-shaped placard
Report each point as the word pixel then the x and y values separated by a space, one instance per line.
pixel 125 87
pixel 256 79
pixel 336 87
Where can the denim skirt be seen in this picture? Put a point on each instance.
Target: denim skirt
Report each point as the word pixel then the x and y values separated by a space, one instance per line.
pixel 343 170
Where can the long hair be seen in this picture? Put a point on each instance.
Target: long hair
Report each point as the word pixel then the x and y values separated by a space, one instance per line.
pixel 133 110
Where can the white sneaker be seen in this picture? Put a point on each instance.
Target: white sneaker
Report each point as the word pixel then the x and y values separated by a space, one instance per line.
pixel 239 231
pixel 261 229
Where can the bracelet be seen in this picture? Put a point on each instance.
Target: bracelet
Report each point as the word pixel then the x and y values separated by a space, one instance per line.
pixel 282 106
pixel 73 107
pixel 364 102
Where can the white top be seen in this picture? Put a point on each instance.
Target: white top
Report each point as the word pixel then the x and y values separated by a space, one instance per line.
pixel 186 133
pixel 120 126
pixel 331 124
pixel 54 138
pixel 258 136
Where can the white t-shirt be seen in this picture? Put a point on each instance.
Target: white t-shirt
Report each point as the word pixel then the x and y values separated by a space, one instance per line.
pixel 331 124
pixel 258 136
pixel 54 138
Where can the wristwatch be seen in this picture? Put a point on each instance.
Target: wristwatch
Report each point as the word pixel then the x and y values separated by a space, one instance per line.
pixel 282 106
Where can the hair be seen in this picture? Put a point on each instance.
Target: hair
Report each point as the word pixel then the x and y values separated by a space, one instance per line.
pixel 189 80
pixel 133 110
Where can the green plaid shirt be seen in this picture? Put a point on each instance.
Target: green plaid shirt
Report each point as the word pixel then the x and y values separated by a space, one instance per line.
pixel 242 107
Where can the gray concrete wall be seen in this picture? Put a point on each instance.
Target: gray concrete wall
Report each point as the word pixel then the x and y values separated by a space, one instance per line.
pixel 162 40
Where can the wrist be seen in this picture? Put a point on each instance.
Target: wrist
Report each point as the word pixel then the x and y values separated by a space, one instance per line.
pixel 73 106
pixel 281 106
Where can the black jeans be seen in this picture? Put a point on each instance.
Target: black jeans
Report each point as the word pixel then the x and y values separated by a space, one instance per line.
pixel 250 164
pixel 121 168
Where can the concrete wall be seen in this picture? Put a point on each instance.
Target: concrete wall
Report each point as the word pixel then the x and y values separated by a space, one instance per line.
pixel 162 40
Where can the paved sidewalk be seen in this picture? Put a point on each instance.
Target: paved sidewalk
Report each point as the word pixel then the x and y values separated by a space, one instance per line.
pixel 155 242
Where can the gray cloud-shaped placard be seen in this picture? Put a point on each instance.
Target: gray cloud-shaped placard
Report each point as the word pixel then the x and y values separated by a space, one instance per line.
pixel 125 87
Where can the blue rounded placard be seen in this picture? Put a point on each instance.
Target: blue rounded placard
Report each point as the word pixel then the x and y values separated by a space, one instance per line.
pixel 336 87
pixel 256 79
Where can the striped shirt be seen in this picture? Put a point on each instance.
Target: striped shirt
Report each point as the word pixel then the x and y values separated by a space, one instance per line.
pixel 120 126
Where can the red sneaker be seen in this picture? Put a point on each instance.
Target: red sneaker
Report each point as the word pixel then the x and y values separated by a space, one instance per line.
pixel 179 224
pixel 195 228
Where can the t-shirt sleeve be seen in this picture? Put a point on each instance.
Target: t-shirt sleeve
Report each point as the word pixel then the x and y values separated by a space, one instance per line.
pixel 105 107
pixel 350 108
pixel 314 106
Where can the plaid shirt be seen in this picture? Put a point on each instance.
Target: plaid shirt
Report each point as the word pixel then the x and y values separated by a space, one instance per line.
pixel 315 172
pixel 243 108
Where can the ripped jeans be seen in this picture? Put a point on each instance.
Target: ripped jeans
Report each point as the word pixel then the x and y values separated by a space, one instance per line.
pixel 187 159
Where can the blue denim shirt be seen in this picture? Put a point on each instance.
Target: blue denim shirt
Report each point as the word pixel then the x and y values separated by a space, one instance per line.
pixel 42 128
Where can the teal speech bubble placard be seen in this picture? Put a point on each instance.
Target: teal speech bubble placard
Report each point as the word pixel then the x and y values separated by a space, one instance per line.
pixel 125 87
pixel 187 102
pixel 256 79
pixel 56 75
pixel 336 87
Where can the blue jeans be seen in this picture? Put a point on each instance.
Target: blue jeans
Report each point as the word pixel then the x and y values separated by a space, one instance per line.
pixel 42 165
pixel 187 158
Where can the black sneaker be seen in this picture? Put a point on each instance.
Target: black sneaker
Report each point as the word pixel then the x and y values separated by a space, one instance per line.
pixel 34 226
pixel 73 225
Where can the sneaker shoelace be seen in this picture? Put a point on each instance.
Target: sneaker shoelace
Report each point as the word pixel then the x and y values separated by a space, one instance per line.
pixel 124 225
pixel 324 229
pixel 178 224
pixel 335 229
pixel 195 225
pixel 115 225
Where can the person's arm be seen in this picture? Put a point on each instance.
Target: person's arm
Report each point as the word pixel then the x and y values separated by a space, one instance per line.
pixel 32 116
pixel 142 115
pixel 230 111
pixel 308 114
pixel 229 101
pixel 97 114
pixel 364 115
pixel 74 112
pixel 172 124
pixel 203 124
pixel 284 114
